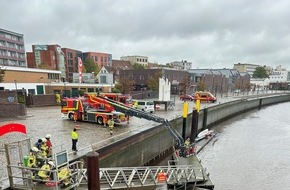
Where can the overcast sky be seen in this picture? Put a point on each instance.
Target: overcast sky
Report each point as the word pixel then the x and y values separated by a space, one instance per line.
pixel 208 33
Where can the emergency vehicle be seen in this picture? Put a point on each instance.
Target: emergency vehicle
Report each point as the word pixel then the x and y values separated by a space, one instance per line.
pixel 91 108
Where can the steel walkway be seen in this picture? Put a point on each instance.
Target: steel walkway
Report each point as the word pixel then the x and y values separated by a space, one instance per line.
pixel 128 177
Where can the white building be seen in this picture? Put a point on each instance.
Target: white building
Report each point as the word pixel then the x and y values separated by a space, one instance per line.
pixel 181 65
pixel 142 60
pixel 279 74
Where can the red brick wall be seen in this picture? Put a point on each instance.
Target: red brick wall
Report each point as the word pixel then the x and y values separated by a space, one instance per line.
pixel 41 100
pixel 9 106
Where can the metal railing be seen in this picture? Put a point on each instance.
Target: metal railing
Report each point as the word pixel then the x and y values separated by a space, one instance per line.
pixel 26 177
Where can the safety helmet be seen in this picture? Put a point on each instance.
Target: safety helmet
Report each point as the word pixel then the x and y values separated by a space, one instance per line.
pixel 48 136
pixel 43 140
pixel 51 163
pixel 34 149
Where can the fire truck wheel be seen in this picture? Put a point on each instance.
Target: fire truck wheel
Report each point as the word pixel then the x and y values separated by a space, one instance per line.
pixel 100 120
pixel 71 116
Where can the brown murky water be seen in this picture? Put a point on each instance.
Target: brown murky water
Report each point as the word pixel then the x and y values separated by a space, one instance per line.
pixel 251 152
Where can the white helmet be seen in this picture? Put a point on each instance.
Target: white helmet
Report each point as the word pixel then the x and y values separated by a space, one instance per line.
pixel 34 149
pixel 43 140
pixel 51 163
pixel 48 136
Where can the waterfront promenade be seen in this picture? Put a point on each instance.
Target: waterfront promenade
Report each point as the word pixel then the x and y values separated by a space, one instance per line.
pixel 42 121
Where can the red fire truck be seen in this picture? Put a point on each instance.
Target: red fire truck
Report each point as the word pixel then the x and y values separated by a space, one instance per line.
pixel 91 108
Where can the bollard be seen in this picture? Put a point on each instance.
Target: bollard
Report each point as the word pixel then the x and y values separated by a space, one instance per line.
pixel 194 125
pixel 93 171
pixel 185 112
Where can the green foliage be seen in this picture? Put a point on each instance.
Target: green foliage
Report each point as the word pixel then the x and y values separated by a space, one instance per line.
pixel 260 72
pixel 183 85
pixel 200 86
pixel 117 89
pixel 138 66
pixel 153 80
pixel 43 66
pixel 90 66
pixel 81 92
pixel 125 85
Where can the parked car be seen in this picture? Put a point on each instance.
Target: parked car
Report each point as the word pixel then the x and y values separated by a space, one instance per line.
pixel 186 97
pixel 204 96
pixel 147 106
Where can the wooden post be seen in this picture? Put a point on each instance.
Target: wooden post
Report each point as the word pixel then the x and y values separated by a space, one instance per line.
pixel 93 171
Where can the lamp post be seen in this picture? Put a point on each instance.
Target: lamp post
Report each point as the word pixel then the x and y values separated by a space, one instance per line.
pixel 15 81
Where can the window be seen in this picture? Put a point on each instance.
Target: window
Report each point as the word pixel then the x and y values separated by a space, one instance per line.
pixel 14 38
pixel 10 45
pixel 8 36
pixel 103 79
pixel 70 62
pixel 3 52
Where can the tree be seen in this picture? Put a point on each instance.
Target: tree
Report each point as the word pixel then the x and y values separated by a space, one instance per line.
pixel 90 66
pixel 43 66
pixel 2 74
pixel 260 72
pixel 138 66
pixel 125 85
pixel 153 80
pixel 184 84
pixel 200 86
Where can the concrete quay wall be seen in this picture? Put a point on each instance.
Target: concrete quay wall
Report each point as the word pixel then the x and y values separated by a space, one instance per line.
pixel 144 146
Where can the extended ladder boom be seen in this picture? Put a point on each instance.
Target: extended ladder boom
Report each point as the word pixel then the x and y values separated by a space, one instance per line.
pixel 141 114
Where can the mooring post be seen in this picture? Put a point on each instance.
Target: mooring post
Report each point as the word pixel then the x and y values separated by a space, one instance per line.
pixel 93 171
pixel 185 112
pixel 194 125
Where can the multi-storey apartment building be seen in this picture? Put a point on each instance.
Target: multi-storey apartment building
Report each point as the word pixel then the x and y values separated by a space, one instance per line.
pixel 47 57
pixel 12 51
pixel 245 67
pixel 142 60
pixel 181 65
pixel 101 59
pixel 71 62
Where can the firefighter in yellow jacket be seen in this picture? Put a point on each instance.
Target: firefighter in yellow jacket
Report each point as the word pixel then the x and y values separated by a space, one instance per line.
pixel 111 125
pixel 44 172
pixel 64 174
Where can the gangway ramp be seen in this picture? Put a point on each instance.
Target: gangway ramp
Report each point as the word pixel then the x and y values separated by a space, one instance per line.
pixel 130 177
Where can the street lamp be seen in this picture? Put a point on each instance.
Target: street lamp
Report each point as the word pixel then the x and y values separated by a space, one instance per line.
pixel 15 81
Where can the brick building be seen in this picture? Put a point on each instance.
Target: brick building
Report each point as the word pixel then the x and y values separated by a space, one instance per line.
pixel 71 62
pixel 141 76
pixel 47 57
pixel 100 59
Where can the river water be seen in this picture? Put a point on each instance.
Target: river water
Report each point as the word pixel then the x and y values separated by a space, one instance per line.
pixel 251 151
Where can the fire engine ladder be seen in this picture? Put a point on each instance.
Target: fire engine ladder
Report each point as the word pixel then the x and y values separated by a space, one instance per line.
pixel 129 177
pixel 142 114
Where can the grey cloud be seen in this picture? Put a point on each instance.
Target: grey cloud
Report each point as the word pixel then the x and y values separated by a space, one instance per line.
pixel 208 33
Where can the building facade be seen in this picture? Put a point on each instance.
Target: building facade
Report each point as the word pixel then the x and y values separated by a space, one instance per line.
pixel 142 60
pixel 141 76
pixel 245 67
pixel 47 57
pixel 71 62
pixel 180 65
pixel 100 59
pixel 29 79
pixel 12 50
